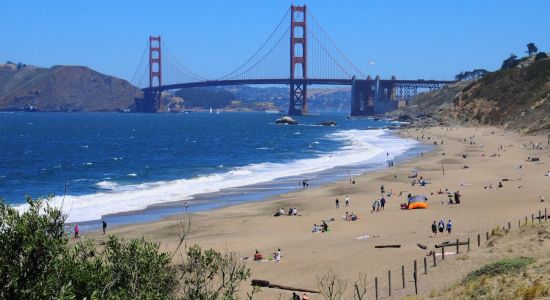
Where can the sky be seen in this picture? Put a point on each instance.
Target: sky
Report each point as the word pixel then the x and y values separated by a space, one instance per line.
pixel 409 39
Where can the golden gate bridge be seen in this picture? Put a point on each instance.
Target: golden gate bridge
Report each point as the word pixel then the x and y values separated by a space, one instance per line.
pixel 297 53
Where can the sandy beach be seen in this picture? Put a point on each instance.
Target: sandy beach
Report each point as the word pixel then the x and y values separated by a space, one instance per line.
pixel 492 156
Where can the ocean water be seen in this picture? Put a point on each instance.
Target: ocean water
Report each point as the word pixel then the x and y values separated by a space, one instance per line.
pixel 140 167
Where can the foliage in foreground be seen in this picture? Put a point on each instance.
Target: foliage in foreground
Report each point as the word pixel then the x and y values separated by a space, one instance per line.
pixel 38 262
pixel 503 266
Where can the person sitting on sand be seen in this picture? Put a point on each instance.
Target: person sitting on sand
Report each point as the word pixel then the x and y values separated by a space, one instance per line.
pixel 279 213
pixel 500 184
pixel 258 256
pixel 353 217
pixel 457 197
pixel 294 211
pixel 315 228
pixel 324 227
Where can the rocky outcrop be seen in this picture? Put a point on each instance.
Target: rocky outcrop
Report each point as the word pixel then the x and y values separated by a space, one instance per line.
pixel 327 123
pixel 63 88
pixel 286 120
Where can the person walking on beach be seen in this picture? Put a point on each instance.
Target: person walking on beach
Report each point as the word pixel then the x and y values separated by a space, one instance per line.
pixel 186 206
pixel 104 226
pixel 382 202
pixel 434 229
pixel 382 189
pixel 76 231
pixel 278 255
pixel 449 227
pixel 337 203
pixel 441 226
pixel 347 200
pixel 295 296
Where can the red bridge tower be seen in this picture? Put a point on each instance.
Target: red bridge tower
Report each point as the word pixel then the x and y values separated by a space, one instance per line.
pixel 298 58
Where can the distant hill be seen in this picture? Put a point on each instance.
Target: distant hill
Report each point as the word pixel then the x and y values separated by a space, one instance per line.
pixel 515 98
pixel 62 88
pixel 246 98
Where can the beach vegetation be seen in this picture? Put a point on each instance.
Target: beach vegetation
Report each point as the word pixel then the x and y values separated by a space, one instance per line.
pixel 504 266
pixel 39 261
pixel 540 55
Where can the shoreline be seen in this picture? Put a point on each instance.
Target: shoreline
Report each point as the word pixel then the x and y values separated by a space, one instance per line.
pixel 208 201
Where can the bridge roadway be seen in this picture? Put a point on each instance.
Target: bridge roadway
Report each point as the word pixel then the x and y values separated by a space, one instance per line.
pixel 310 81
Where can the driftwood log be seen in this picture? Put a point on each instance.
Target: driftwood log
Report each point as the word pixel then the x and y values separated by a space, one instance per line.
pixel 422 246
pixel 266 283
pixel 387 246
pixel 450 244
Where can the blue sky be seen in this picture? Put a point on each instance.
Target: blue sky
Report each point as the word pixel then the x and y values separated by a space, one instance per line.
pixel 409 39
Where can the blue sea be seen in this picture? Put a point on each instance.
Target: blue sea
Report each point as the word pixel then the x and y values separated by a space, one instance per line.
pixel 126 168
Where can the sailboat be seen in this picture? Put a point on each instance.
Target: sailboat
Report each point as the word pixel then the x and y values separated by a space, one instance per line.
pixel 210 109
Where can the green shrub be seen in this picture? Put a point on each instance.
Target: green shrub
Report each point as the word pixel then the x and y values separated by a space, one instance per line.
pixel 504 266
pixel 38 262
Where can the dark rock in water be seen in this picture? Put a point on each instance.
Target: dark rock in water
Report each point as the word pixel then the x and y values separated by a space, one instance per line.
pixel 286 120
pixel 404 118
pixel 327 123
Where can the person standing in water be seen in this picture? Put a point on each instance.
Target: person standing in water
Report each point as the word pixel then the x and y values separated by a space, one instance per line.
pixel 104 226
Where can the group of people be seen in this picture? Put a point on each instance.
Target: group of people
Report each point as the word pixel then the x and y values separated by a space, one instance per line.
pixel 320 228
pixel 441 226
pixel 293 211
pixel 350 217
pixel 378 204
pixel 258 256
pixel 297 297
pixel 337 201
pixel 305 183
pixel 77 230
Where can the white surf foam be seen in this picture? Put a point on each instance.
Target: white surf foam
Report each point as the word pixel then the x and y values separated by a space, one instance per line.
pixel 360 146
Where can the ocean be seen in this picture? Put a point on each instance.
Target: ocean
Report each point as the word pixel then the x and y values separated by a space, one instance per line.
pixel 127 168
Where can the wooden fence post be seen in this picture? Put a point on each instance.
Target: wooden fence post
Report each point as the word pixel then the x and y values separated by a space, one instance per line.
pixel 540 216
pixel 442 252
pixel 533 218
pixel 478 240
pixel 468 244
pixel 457 246
pixel 545 215
pixel 425 265
pixel 435 264
pixel 509 226
pixel 486 235
pixel 415 278
pixel 389 283
pixel 525 221
pixel 403 275
pixel 376 287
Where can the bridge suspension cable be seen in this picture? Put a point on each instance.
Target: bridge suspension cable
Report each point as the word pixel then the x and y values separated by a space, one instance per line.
pixel 326 44
pixel 175 70
pixel 275 38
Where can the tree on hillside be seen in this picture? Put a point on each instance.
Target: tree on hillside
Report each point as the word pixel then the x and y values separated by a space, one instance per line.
pixel 531 49
pixel 540 55
pixel 471 75
pixel 510 62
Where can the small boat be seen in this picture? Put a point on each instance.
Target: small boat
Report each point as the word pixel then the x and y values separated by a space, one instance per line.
pixel 271 111
pixel 210 109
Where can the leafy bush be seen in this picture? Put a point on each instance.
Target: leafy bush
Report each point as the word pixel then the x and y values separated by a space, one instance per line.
pixel 540 55
pixel 504 266
pixel 38 262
